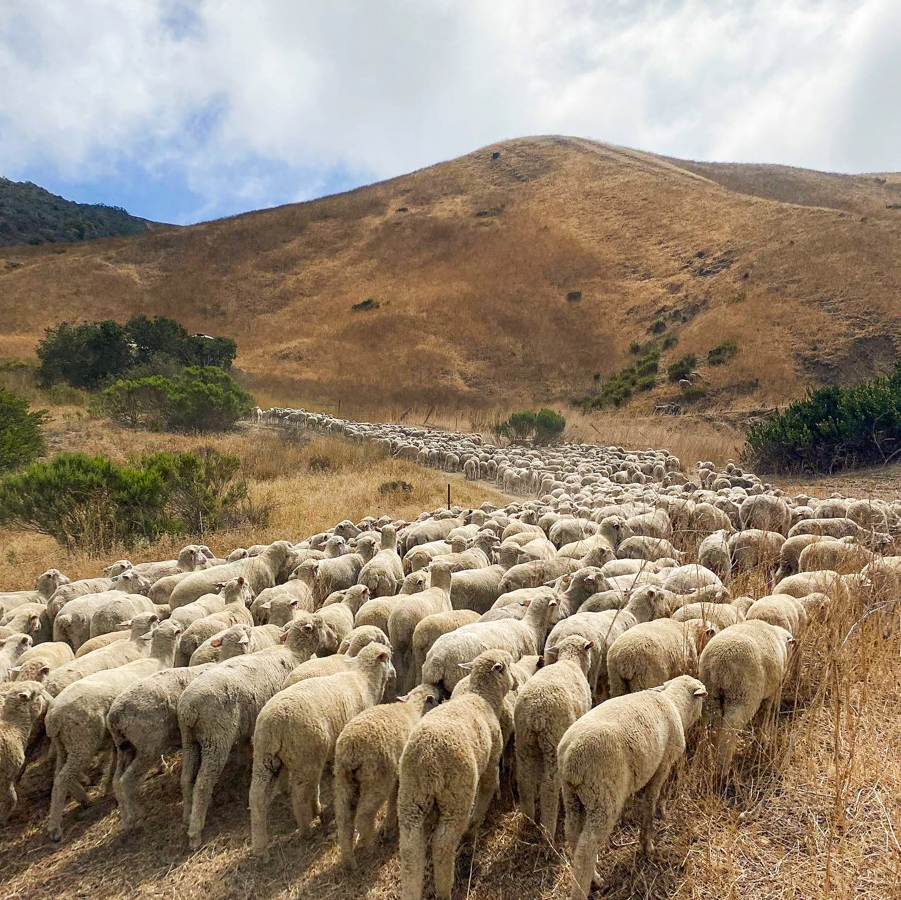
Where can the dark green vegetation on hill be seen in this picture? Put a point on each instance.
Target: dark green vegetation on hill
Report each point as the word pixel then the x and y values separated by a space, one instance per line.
pixel 31 215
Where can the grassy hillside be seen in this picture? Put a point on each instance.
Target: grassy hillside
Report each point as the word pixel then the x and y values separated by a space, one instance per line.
pixel 470 263
pixel 31 215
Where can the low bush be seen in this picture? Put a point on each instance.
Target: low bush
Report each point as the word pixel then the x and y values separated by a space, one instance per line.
pixel 541 427
pixel 93 504
pixel 395 487
pixel 21 441
pixel 669 341
pixel 833 428
pixel 638 377
pixel 722 353
pixel 365 305
pixel 198 399
pixel 681 368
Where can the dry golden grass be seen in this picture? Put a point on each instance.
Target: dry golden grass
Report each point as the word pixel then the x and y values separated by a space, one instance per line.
pixel 472 279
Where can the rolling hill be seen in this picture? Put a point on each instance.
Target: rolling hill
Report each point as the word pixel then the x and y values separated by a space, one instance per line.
pixel 516 274
pixel 32 215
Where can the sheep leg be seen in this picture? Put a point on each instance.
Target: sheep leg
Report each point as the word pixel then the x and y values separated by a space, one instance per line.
pixel 189 765
pixel 445 840
pixel 528 775
pixel 304 800
pixel 8 803
pixel 550 801
pixel 488 784
pixel 412 856
pixel 598 825
pixel 212 763
pixel 389 828
pixel 649 797
pixel 370 803
pixel 262 788
pixel 128 777
pixel 575 816
pixel 727 738
pixel 66 782
pixel 347 795
pixel 110 774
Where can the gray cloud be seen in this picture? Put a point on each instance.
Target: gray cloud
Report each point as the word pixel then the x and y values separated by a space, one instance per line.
pixel 379 88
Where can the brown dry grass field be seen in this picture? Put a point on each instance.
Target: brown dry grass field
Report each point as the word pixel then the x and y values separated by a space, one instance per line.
pixel 824 783
pixel 471 261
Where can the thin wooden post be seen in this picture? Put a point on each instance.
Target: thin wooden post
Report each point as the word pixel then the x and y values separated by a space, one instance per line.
pixel 448 496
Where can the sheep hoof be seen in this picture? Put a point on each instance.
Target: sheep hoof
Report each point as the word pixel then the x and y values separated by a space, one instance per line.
pixel 55 834
pixel 194 841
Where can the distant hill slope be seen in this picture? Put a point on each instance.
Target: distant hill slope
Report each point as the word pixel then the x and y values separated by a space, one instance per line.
pixel 470 264
pixel 31 215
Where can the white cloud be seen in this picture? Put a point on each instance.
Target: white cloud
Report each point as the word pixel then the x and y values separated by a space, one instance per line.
pixel 376 89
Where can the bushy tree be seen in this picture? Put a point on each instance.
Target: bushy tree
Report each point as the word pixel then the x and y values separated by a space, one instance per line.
pixel 21 440
pixel 85 355
pixel 548 425
pixel 541 427
pixel 681 368
pixel 213 351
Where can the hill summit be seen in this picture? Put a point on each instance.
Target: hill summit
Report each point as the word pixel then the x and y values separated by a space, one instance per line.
pixel 520 273
pixel 29 214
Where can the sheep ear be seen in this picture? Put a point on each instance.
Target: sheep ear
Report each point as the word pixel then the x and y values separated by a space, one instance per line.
pixel 710 630
pixel 125 624
pixel 659 688
pixel 16 669
pixel 466 666
pixel 308 626
pixel 24 695
pixel 219 585
pixel 383 655
pixel 789 640
pixel 553 603
pixel 294 603
pixel 589 645
pixel 431 701
pixel 406 697
pixel 266 605
pixel 498 667
pixel 700 692
pixel 244 639
pixel 216 643
pixel 240 579
pixel 540 663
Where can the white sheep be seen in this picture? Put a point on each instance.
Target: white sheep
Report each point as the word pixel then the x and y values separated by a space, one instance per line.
pixel 743 667
pixel 143 723
pixel 408 613
pixel 110 657
pixel 356 640
pixel 38 662
pixel 449 771
pixel 260 572
pixel 44 588
pixel 21 711
pixel 31 619
pixel 220 709
pixel 367 761
pixel 384 573
pixel 238 597
pixel 654 652
pixel 519 638
pixel 76 720
pixel 625 746
pixel 296 732
pixel 429 629
pixel 11 650
pixel 546 705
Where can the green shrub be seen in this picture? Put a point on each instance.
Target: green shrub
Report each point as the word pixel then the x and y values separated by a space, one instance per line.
pixel 638 377
pixel 86 502
pixel 93 504
pixel 574 296
pixel 200 398
pixel 833 428
pixel 722 353
pixel 657 326
pixel 21 441
pixel 365 305
pixel 541 427
pixel 681 368
pixel 204 491
pixel 670 341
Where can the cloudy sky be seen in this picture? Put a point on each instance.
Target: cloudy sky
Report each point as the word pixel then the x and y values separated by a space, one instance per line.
pixel 184 110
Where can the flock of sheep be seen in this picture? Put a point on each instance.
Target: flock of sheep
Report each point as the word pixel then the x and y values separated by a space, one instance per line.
pixel 568 641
